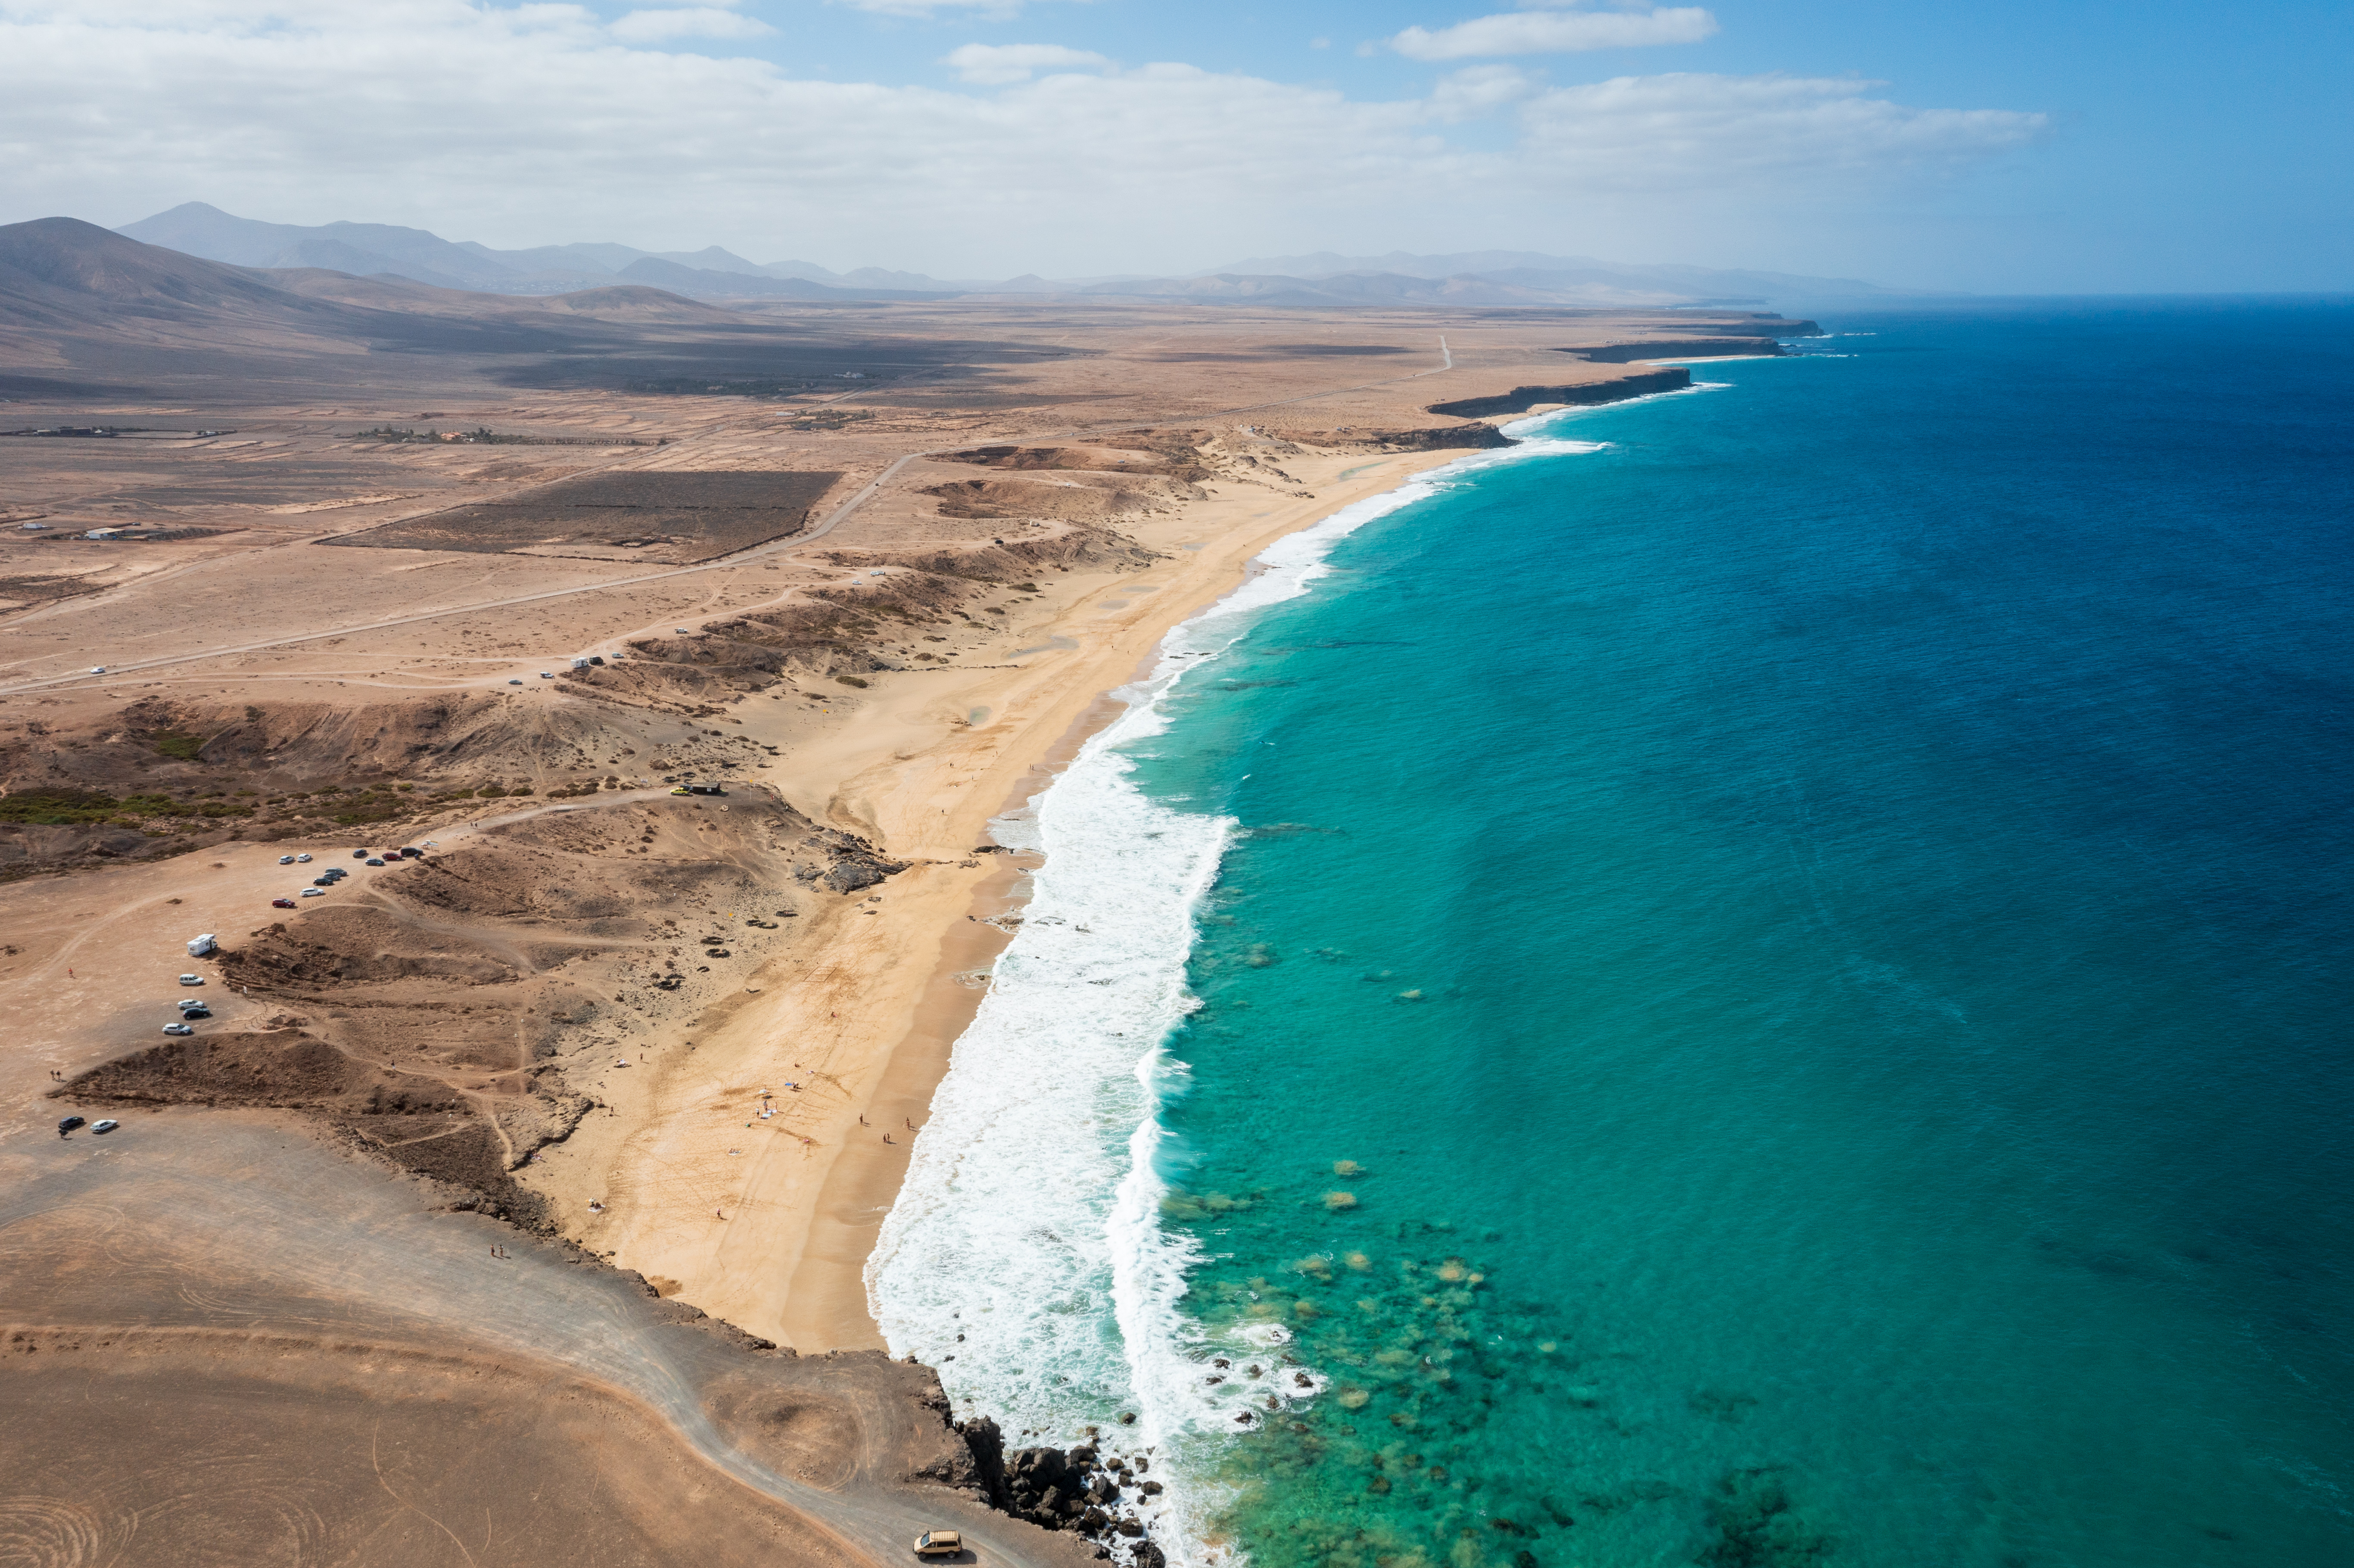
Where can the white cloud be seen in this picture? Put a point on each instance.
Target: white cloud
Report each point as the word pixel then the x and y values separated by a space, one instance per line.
pixel 1556 32
pixel 529 125
pixel 1475 90
pixel 1683 131
pixel 690 22
pixel 996 65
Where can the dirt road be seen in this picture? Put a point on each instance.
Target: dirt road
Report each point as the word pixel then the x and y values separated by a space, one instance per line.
pixel 238 1235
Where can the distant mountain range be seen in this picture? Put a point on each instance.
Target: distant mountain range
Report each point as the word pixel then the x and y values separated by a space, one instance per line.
pixel 1324 278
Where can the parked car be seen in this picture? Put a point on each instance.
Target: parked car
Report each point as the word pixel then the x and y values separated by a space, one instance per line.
pixel 67 1124
pixel 514 682
pixel 376 859
pixel 359 854
pixel 314 892
pixel 192 980
pixel 107 1125
pixel 286 860
pixel 178 1029
pixel 939 1543
pixel 305 857
pixel 410 852
pixel 281 904
pixel 548 675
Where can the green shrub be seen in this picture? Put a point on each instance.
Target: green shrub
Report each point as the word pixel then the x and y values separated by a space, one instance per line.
pixel 172 743
pixel 850 681
pixel 57 807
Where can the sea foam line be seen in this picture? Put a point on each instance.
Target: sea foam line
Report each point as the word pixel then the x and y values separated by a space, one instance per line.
pixel 1024 1258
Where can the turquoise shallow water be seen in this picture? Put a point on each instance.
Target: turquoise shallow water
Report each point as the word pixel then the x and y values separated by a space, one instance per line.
pixel 1834 907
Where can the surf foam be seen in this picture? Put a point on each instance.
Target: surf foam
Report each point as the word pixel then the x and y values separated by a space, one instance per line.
pixel 1025 1258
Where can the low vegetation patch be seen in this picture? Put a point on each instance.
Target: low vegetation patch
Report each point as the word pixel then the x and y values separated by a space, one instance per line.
pixel 58 808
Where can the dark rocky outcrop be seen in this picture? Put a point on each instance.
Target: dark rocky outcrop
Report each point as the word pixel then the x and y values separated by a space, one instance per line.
pixel 857 863
pixel 987 1442
pixel 1044 1487
pixel 1445 437
pixel 1520 399
pixel 1675 348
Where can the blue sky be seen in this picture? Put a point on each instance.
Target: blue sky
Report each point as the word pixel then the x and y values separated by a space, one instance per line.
pixel 2000 147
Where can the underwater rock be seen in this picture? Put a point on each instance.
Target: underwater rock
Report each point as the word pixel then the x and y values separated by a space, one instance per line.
pixel 1336 1202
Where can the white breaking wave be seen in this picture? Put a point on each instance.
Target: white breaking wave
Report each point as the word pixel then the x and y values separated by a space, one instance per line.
pixel 1026 1256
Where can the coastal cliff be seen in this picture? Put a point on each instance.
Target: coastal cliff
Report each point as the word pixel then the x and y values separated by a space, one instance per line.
pixel 1520 399
pixel 1677 348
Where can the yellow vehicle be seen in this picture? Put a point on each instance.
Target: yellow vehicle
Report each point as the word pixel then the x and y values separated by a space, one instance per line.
pixel 680 790
pixel 939 1543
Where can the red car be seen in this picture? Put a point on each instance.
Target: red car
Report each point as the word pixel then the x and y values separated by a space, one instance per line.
pixel 281 904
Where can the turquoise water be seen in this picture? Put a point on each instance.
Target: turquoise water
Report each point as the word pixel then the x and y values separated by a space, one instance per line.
pixel 1834 908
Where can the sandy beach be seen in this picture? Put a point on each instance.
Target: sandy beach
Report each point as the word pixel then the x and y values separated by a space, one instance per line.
pixel 767 1222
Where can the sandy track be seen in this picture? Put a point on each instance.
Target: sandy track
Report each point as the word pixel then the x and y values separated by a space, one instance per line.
pixel 238 1226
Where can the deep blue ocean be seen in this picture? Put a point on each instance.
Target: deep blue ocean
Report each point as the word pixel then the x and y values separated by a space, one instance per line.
pixel 1777 992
